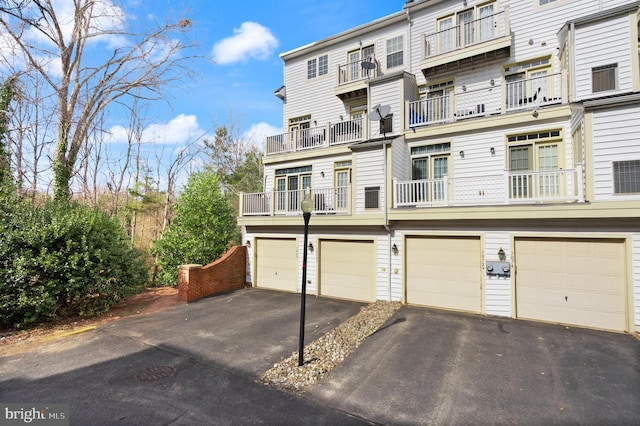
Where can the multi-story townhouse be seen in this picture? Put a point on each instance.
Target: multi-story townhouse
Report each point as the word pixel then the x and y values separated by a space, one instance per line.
pixel 477 156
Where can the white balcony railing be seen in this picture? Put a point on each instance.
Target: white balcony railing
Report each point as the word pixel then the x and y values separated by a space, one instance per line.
pixel 509 188
pixel 356 71
pixel 335 200
pixel 316 137
pixel 495 99
pixel 467 34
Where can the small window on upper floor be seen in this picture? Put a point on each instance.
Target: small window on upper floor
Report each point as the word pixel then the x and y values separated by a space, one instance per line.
pixel 386 124
pixel 317 66
pixel 604 78
pixel 372 197
pixel 544 2
pixel 626 177
pixel 311 68
pixel 395 53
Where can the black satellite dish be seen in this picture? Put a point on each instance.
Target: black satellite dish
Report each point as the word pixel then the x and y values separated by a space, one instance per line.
pixel 367 66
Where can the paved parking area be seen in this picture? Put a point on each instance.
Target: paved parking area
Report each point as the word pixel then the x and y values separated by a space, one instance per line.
pixel 434 367
pixel 198 363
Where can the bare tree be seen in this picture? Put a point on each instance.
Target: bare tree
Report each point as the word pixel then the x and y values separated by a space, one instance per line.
pixel 142 66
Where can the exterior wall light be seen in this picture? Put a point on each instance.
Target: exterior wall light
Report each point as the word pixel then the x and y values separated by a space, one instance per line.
pixel 492 150
pixel 247 243
pixel 310 247
pixel 501 255
pixel 461 154
pixel 394 249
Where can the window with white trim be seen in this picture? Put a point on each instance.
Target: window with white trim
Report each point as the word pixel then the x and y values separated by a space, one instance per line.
pixel 626 177
pixel 545 2
pixel 317 66
pixel 604 78
pixel 395 52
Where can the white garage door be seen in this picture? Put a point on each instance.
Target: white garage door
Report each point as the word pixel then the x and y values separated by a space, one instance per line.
pixel 578 282
pixel 347 270
pixel 277 264
pixel 444 272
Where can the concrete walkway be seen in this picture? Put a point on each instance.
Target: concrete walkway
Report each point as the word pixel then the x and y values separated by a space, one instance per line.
pixel 198 364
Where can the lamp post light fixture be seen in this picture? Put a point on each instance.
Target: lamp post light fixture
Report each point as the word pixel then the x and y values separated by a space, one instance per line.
pixel 307 207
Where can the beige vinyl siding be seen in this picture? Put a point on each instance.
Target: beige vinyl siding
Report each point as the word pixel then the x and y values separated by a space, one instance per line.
pixel 498 290
pixel 444 272
pixel 347 269
pixel 572 281
pixel 369 173
pixel 603 43
pixel 615 138
pixel 277 264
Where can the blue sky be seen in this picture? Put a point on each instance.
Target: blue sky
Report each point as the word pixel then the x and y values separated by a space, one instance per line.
pixel 245 39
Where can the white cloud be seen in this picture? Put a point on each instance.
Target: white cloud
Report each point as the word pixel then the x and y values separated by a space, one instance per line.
pixel 179 130
pixel 257 133
pixel 250 41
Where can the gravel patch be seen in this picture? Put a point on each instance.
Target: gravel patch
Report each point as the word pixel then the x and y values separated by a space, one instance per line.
pixel 327 352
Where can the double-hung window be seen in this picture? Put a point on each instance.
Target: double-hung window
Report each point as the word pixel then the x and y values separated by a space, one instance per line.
pixel 395 52
pixel 317 66
pixel 534 165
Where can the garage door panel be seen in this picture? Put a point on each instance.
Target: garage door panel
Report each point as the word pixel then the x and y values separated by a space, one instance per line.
pixel 277 264
pixel 347 269
pixel 578 282
pixel 444 272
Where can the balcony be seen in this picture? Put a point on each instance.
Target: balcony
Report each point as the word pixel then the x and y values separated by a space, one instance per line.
pixel 556 186
pixel 336 200
pixel 352 78
pixel 507 97
pixel 330 134
pixel 470 43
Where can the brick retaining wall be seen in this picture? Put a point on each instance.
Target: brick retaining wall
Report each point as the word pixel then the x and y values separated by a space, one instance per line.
pixel 225 274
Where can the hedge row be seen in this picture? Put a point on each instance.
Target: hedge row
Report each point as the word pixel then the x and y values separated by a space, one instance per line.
pixel 60 260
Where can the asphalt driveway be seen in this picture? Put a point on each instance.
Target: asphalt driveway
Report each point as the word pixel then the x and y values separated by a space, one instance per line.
pixel 198 363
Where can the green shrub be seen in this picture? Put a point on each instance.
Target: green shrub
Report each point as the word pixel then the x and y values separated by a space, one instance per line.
pixel 62 260
pixel 202 229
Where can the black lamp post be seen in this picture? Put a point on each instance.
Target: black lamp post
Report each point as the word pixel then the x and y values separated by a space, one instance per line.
pixel 307 207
